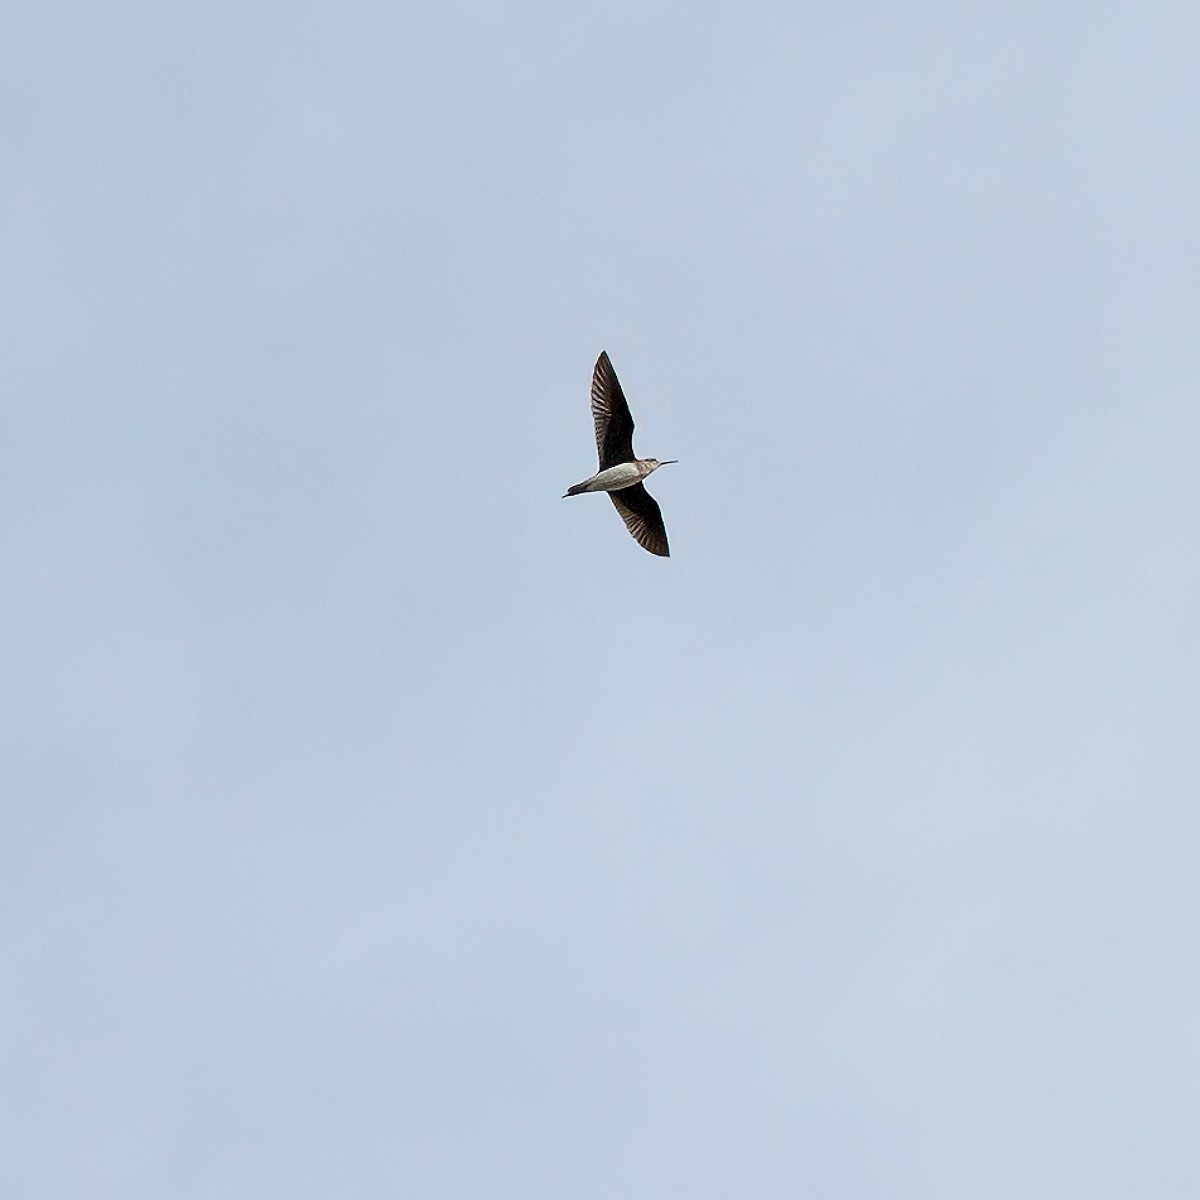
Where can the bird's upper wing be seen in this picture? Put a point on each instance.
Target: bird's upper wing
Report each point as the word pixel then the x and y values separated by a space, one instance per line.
pixel 643 518
pixel 610 415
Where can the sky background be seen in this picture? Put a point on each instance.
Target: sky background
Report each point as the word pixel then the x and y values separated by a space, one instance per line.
pixel 375 823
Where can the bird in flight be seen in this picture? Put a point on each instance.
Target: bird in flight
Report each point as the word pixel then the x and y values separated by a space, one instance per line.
pixel 621 472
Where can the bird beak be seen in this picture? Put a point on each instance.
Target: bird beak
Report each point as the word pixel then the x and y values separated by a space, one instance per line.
pixel 667 461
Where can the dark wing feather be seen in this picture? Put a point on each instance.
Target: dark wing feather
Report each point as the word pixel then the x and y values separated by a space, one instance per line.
pixel 643 518
pixel 610 415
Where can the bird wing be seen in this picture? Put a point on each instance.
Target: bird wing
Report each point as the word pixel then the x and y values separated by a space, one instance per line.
pixel 643 518
pixel 610 415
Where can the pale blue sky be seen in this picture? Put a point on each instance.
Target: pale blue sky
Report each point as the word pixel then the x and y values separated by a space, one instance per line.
pixel 376 823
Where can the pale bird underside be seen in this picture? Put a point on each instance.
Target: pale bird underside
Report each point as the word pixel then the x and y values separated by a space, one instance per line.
pixel 614 444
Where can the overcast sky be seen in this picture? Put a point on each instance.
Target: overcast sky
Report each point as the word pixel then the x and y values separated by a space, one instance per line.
pixel 375 823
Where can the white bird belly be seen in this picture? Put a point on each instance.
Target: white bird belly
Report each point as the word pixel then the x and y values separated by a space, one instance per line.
pixel 623 475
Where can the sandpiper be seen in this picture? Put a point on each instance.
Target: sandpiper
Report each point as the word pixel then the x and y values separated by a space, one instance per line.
pixel 621 472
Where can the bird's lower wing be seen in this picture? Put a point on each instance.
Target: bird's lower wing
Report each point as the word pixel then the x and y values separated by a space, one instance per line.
pixel 643 518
